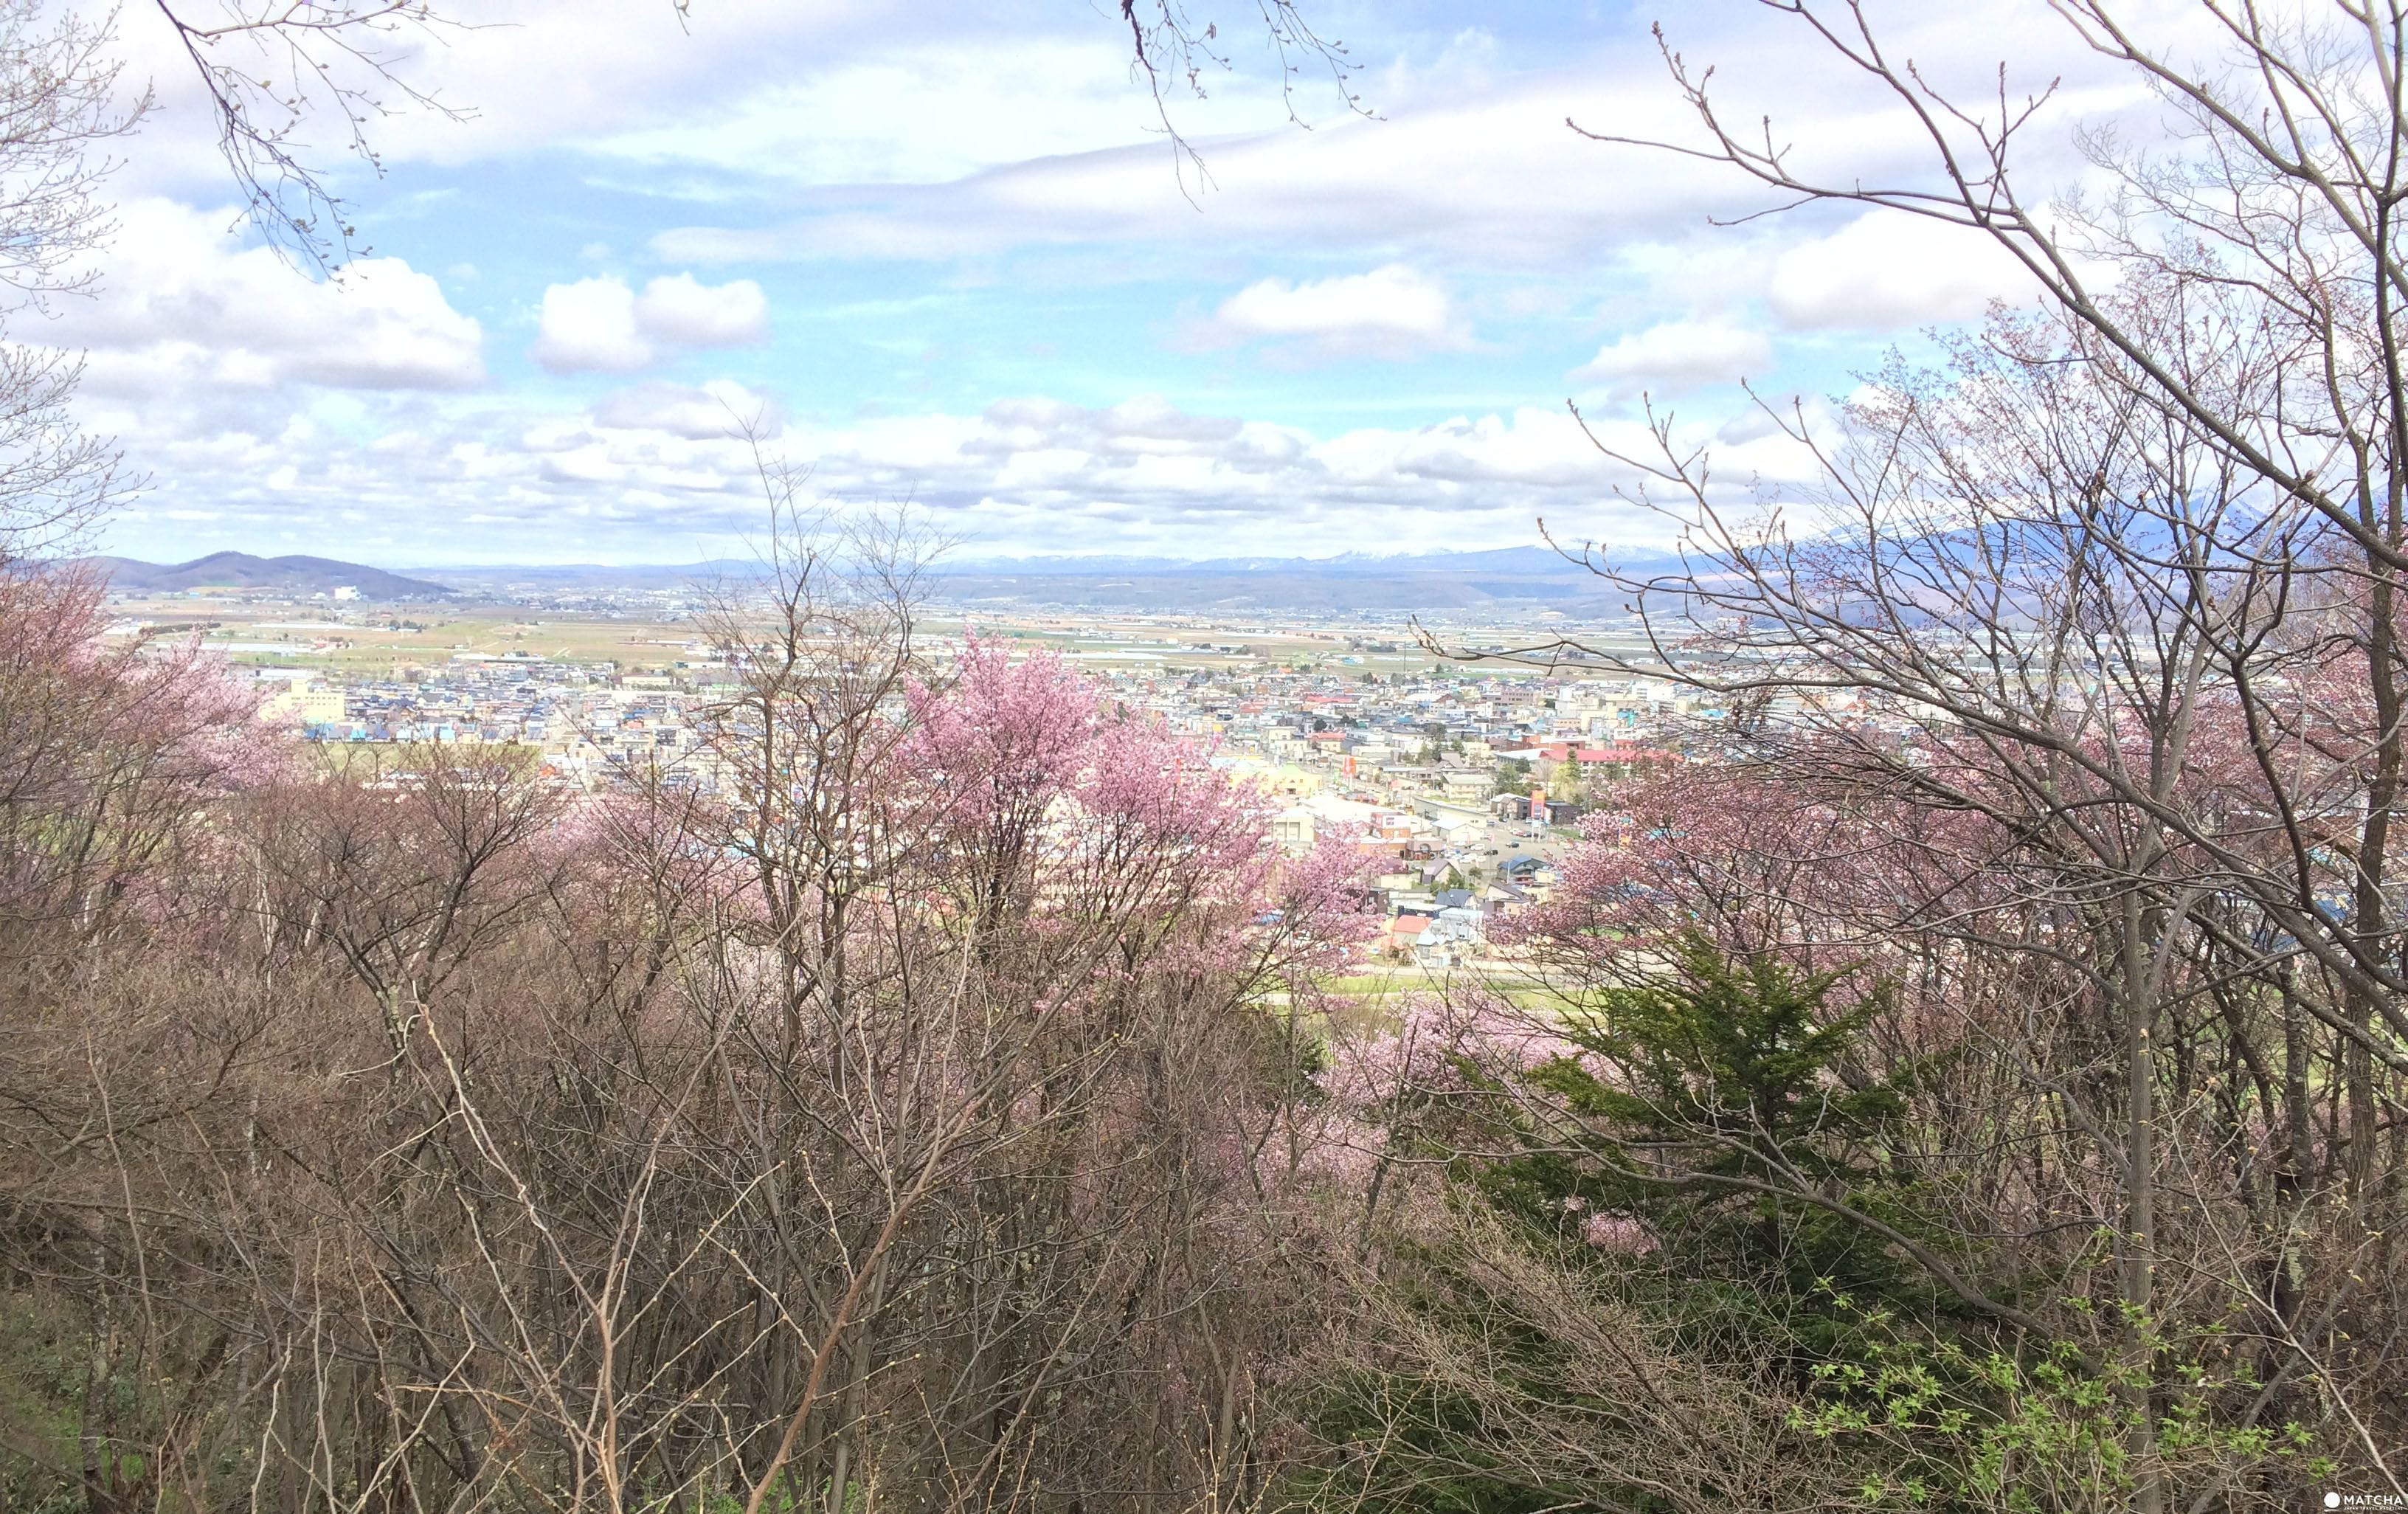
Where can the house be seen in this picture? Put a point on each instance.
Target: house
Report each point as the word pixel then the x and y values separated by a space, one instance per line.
pixel 1525 870
pixel 1398 936
pixel 1445 942
pixel 1465 916
pixel 1504 900
pixel 1292 831
pixel 1531 877
pixel 313 704
pixel 1467 782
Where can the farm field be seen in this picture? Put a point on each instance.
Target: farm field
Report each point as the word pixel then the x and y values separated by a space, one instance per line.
pixel 375 641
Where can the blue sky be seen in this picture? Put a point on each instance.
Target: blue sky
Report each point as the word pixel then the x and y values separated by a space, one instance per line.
pixel 945 258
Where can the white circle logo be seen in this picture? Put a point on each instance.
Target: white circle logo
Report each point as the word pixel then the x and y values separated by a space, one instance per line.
pixel 2332 1500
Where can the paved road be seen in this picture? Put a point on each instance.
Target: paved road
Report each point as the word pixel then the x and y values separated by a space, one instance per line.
pixel 1506 841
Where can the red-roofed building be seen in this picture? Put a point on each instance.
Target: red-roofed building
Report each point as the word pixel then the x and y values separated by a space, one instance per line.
pixel 1402 932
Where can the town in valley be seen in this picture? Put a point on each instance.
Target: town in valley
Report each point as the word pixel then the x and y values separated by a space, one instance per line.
pixel 1460 759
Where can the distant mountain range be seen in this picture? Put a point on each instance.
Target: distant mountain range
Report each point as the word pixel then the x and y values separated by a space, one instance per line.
pixel 1516 578
pixel 281 575
pixel 1507 579
pixel 1539 561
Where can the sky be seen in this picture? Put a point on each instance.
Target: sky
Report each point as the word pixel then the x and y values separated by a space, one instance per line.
pixel 944 258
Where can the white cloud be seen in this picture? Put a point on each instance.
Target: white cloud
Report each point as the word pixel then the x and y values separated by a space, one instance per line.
pixel 1464 166
pixel 837 91
pixel 654 468
pixel 1888 268
pixel 678 309
pixel 847 130
pixel 1392 312
pixel 1450 184
pixel 931 109
pixel 721 407
pixel 1675 356
pixel 601 326
pixel 185 305
pixel 590 325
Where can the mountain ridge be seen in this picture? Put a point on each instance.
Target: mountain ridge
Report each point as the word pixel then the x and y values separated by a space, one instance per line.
pixel 292 573
pixel 1491 559
pixel 1502 578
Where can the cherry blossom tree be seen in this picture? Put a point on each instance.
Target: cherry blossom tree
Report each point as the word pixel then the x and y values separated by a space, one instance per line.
pixel 902 1100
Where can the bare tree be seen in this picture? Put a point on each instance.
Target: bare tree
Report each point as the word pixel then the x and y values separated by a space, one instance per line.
pixel 2116 589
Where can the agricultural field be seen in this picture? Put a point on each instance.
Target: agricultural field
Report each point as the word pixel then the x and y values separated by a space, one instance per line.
pixel 375 641
pixel 379 642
